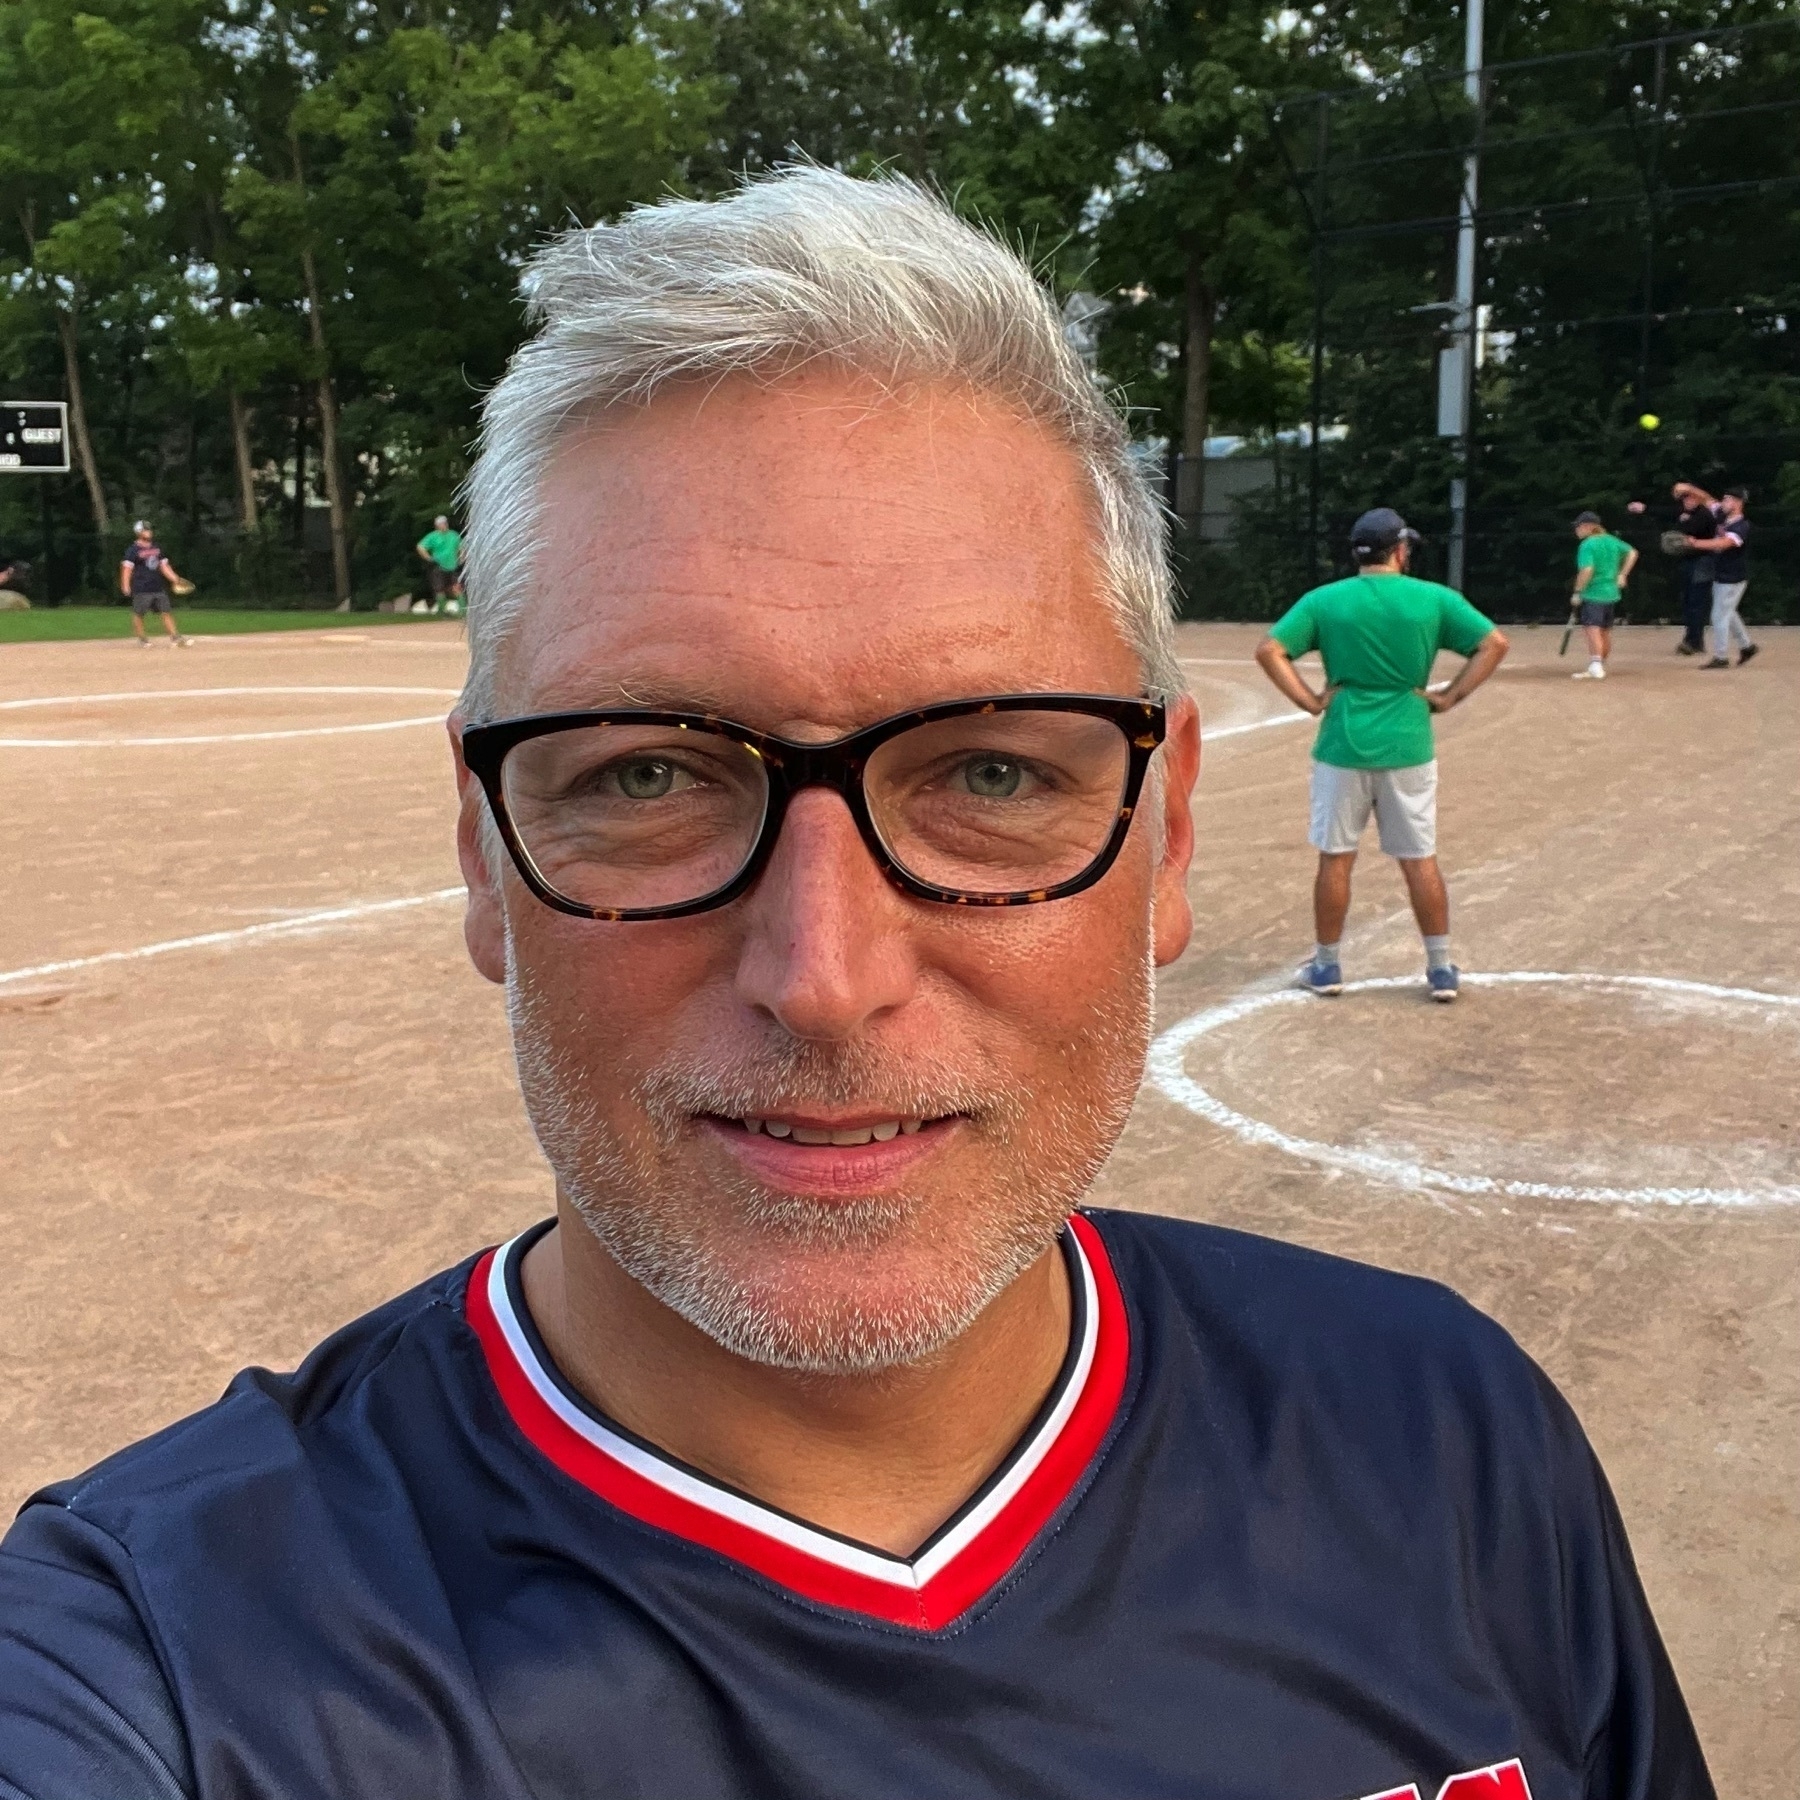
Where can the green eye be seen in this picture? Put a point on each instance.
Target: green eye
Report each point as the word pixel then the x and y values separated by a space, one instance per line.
pixel 992 778
pixel 647 779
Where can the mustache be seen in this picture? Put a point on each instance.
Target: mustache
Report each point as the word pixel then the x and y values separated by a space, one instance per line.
pixel 789 1074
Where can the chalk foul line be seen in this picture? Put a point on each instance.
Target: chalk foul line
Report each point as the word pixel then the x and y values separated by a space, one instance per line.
pixel 1287 718
pixel 1225 731
pixel 216 737
pixel 1166 1072
pixel 213 737
pixel 208 693
pixel 238 934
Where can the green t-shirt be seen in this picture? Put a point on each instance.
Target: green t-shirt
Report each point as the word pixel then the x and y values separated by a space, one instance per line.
pixel 1378 636
pixel 443 547
pixel 1605 555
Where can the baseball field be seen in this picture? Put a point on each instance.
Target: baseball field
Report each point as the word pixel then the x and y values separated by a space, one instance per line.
pixel 252 1087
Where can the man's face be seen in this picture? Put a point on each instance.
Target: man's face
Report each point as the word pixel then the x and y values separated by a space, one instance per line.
pixel 807 559
pixel 1731 506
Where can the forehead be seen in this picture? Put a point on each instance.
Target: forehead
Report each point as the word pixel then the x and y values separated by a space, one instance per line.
pixel 813 552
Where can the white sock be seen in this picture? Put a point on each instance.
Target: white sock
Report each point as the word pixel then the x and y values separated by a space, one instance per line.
pixel 1324 955
pixel 1437 952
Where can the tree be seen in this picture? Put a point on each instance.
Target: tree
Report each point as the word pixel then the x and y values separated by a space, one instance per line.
pixel 1195 231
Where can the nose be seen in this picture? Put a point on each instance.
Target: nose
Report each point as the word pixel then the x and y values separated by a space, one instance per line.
pixel 827 950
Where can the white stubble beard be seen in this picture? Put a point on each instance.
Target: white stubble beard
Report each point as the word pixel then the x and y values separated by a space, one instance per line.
pixel 620 1184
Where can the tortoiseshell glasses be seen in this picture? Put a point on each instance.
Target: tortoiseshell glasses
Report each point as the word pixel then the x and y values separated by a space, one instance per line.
pixel 1000 801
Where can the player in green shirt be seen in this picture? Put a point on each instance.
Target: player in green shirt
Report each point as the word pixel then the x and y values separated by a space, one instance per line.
pixel 1378 634
pixel 1603 564
pixel 441 551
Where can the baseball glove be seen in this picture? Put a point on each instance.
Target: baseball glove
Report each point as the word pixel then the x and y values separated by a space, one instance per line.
pixel 1675 543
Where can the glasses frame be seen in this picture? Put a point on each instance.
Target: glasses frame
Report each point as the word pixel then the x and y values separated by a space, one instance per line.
pixel 838 765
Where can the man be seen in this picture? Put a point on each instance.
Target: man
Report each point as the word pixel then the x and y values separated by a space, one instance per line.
pixel 145 577
pixel 1603 565
pixel 818 1446
pixel 1729 543
pixel 441 551
pixel 1694 519
pixel 1378 634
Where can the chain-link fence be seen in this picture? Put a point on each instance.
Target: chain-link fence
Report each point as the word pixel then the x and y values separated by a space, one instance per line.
pixel 1634 320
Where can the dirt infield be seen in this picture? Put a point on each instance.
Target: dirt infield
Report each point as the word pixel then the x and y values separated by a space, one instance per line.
pixel 215 1153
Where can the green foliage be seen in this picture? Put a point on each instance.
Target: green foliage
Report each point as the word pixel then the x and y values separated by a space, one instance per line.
pixel 181 180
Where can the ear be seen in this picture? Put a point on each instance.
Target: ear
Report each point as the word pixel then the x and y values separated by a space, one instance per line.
pixel 1181 770
pixel 484 921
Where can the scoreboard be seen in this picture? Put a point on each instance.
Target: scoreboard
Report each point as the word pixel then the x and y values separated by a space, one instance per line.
pixel 34 437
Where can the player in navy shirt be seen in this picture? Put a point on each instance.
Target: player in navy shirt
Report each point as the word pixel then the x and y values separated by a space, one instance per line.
pixel 821 1444
pixel 1729 541
pixel 145 574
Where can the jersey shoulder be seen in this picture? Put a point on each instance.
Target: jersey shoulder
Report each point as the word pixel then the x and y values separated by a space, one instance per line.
pixel 1335 596
pixel 1429 593
pixel 1377 1349
pixel 254 1432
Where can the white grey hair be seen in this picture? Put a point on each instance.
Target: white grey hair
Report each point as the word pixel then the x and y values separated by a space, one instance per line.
pixel 801 268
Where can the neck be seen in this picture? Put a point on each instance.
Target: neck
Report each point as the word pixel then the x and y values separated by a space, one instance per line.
pixel 884 1459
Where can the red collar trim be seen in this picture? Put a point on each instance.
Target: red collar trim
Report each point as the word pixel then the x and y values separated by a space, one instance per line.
pixel 962 1563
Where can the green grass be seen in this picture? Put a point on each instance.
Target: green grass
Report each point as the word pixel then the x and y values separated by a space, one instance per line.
pixel 45 624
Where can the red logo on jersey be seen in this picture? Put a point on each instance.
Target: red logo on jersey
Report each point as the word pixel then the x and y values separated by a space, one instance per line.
pixel 1499 1781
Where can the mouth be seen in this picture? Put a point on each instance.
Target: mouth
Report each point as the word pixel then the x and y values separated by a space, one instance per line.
pixel 842 1136
pixel 862 1154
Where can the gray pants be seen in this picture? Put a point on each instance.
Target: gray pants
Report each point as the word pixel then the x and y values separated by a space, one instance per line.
pixel 1727 627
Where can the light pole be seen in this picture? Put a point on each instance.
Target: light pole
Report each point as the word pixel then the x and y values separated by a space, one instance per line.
pixel 1456 363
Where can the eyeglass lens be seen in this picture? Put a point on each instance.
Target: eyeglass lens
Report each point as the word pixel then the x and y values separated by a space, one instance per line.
pixel 628 816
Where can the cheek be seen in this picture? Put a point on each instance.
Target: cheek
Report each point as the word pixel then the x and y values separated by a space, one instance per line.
pixel 1054 976
pixel 615 997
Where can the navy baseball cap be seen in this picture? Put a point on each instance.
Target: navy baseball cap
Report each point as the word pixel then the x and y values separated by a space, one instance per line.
pixel 1379 530
pixel 1589 518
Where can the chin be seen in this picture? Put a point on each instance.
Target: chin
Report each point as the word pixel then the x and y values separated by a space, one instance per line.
pixel 823 1288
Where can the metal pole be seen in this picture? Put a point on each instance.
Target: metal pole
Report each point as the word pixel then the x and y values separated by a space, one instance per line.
pixel 1464 327
pixel 49 535
pixel 1652 174
pixel 1321 146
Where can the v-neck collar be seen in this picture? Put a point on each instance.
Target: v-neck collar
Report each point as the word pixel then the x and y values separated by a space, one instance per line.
pixel 961 1562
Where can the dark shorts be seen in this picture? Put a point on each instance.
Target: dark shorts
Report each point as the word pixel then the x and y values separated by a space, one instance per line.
pixel 443 580
pixel 1599 612
pixel 144 603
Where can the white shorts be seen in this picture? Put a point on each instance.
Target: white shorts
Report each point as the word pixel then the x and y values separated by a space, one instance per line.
pixel 1404 802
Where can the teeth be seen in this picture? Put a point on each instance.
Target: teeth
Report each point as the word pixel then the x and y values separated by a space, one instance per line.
pixel 846 1138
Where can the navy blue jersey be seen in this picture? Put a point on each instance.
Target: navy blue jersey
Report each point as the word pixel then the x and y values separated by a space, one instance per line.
pixel 145 561
pixel 1733 563
pixel 1286 1528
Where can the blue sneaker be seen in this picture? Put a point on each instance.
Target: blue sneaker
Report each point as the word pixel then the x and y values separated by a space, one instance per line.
pixel 1445 984
pixel 1322 978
